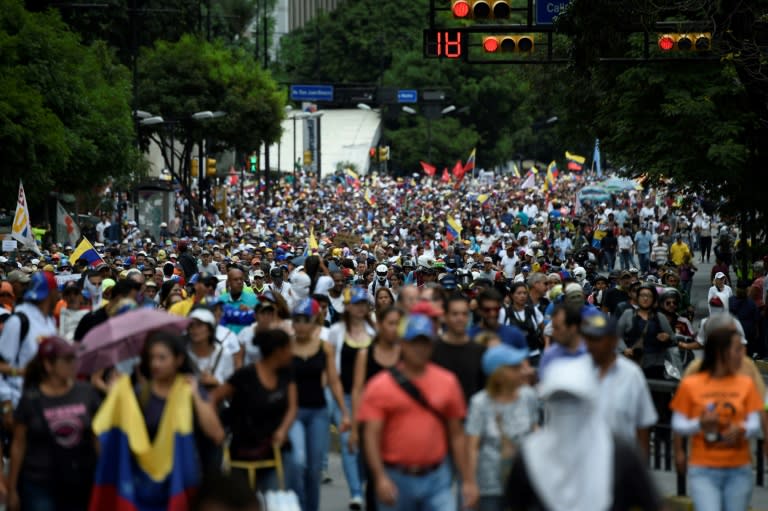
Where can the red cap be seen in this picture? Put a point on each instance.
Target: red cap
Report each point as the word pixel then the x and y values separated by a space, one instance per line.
pixel 54 347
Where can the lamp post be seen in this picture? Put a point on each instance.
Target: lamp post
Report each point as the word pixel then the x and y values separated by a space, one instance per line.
pixel 445 111
pixel 317 116
pixel 203 116
pixel 299 115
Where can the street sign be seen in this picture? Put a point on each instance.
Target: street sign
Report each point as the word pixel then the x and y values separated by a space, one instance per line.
pixel 312 92
pixel 407 96
pixel 547 10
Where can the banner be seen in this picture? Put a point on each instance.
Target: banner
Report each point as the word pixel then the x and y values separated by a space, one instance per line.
pixel 67 231
pixel 21 230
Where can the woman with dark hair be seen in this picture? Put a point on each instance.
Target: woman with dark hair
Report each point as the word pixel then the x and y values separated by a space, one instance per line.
pixel 720 409
pixel 526 317
pixel 213 365
pixel 383 353
pixel 170 294
pixel 354 333
pixel 320 281
pixel 263 403
pixel 382 300
pixel 53 454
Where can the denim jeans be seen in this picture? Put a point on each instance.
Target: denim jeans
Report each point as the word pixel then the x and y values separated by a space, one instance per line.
pixel 721 489
pixel 644 260
pixel 309 443
pixel 626 260
pixel 351 462
pixel 430 492
pixel 609 257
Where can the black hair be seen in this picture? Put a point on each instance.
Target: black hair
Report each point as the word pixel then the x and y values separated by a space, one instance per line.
pixel 717 343
pixel 165 289
pixel 175 344
pixel 489 294
pixel 227 491
pixel 455 297
pixel 572 313
pixel 123 288
pixel 386 311
pixel 269 341
pixel 515 286
pixel 312 268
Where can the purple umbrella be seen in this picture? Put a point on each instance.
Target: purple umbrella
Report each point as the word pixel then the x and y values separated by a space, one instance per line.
pixel 122 337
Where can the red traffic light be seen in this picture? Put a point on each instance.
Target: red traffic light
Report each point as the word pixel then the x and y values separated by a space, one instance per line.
pixel 490 44
pixel 666 42
pixel 372 152
pixel 460 8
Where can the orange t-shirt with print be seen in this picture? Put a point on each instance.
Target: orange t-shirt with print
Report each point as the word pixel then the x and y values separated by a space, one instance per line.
pixel 734 397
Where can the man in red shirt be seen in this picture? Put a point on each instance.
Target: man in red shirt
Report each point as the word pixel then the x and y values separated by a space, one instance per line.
pixel 406 441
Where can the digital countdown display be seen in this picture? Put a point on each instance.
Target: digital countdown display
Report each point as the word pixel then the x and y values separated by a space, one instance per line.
pixel 447 43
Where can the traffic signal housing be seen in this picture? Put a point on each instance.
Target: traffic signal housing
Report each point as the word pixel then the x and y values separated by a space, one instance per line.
pixel 685 42
pixel 195 165
pixel 384 153
pixel 210 167
pixel 254 163
pixel 481 9
pixel 508 44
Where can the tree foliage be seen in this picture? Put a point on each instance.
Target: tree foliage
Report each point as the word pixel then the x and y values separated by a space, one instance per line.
pixel 64 107
pixel 191 75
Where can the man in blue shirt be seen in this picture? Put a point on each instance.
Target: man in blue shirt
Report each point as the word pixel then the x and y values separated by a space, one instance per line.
pixel 489 303
pixel 568 343
pixel 237 297
pixel 643 242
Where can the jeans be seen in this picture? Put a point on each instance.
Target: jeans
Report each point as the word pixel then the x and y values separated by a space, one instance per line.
pixel 644 260
pixel 430 492
pixel 609 256
pixel 309 443
pixel 720 489
pixel 626 259
pixel 350 461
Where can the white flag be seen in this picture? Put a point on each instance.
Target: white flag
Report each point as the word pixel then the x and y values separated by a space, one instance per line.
pixel 22 227
pixel 530 182
pixel 67 230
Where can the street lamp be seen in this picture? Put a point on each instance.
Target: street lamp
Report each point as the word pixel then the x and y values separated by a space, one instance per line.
pixel 203 116
pixel 409 110
pixel 151 121
pixel 447 110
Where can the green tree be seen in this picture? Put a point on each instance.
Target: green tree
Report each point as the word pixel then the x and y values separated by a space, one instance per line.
pixel 191 75
pixel 65 122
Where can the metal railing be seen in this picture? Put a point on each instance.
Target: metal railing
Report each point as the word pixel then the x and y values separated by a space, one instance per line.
pixel 662 451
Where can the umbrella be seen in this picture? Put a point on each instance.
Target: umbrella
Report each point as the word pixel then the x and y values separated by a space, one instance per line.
pixel 594 194
pixel 122 337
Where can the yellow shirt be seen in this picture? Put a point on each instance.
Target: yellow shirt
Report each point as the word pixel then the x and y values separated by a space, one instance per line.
pixel 677 252
pixel 183 307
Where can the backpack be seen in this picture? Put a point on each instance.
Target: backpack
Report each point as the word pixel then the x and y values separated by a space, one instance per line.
pixel 23 331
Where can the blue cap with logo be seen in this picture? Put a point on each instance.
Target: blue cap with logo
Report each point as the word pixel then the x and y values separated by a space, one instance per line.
pixel 502 355
pixel 358 295
pixel 416 326
pixel 307 307
pixel 597 324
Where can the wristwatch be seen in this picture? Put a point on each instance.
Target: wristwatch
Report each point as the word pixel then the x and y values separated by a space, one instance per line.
pixel 713 437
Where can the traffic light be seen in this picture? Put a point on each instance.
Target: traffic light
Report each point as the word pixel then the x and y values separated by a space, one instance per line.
pixel 210 167
pixel 384 153
pixel 481 9
pixel 195 167
pixel 373 153
pixel 254 166
pixel 685 42
pixel 508 44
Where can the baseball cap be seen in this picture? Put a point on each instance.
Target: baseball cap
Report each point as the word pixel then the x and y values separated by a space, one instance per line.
pixel 54 347
pixel 358 295
pixel 502 355
pixel 258 274
pixel 526 268
pixel 625 274
pixel 18 276
pixel 41 285
pixel 487 259
pixel 276 273
pixel 416 326
pixel 597 324
pixel 718 275
pixel 203 314
pixel 307 307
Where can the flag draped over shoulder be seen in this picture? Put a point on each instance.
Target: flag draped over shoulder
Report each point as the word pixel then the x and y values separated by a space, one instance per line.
pixel 21 230
pixel 86 251
pixel 133 474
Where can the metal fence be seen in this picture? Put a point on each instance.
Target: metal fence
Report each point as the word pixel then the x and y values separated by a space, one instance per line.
pixel 662 451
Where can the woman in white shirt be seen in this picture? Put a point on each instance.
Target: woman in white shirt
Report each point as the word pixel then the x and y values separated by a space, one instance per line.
pixel 213 364
pixel 719 289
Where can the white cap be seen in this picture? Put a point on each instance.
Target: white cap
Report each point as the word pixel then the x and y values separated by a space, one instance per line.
pixel 204 315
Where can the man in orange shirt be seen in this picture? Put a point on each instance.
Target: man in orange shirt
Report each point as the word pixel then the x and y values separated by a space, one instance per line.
pixel 406 436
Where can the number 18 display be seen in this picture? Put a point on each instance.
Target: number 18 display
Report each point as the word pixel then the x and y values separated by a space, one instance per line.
pixel 445 43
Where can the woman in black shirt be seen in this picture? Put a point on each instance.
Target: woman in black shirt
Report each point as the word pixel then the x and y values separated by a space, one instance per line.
pixel 312 358
pixel 53 454
pixel 263 403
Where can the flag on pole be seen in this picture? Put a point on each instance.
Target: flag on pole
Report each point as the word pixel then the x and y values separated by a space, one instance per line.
pixel 515 170
pixel 575 162
pixel 470 165
pixel 551 177
pixel 530 181
pixel 67 230
pixel 483 198
pixel 445 178
pixel 428 169
pixel 459 170
pixel 21 230
pixel 370 199
pixel 596 165
pixel 452 229
pixel 86 251
pixel 352 178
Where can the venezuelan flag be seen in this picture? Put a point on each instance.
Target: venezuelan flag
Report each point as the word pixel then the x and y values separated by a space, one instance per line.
pixel 86 251
pixel 483 198
pixel 134 474
pixel 452 229
pixel 370 199
pixel 575 161
pixel 470 165
pixel 352 178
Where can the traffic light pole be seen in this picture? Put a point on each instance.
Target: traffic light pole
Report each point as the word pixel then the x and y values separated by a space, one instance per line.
pixel 200 174
pixel 319 151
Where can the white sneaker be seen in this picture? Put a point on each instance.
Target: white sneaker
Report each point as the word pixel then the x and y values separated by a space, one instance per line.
pixel 356 503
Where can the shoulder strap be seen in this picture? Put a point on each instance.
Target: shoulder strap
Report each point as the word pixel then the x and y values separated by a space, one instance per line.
pixel 415 394
pixel 23 331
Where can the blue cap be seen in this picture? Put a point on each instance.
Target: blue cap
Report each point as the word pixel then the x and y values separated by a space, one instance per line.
pixel 512 336
pixel 40 286
pixel 194 279
pixel 502 355
pixel 597 324
pixel 307 307
pixel 358 295
pixel 449 281
pixel 526 268
pixel 416 325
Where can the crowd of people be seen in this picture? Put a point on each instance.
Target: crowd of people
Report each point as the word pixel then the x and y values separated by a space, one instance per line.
pixel 473 347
